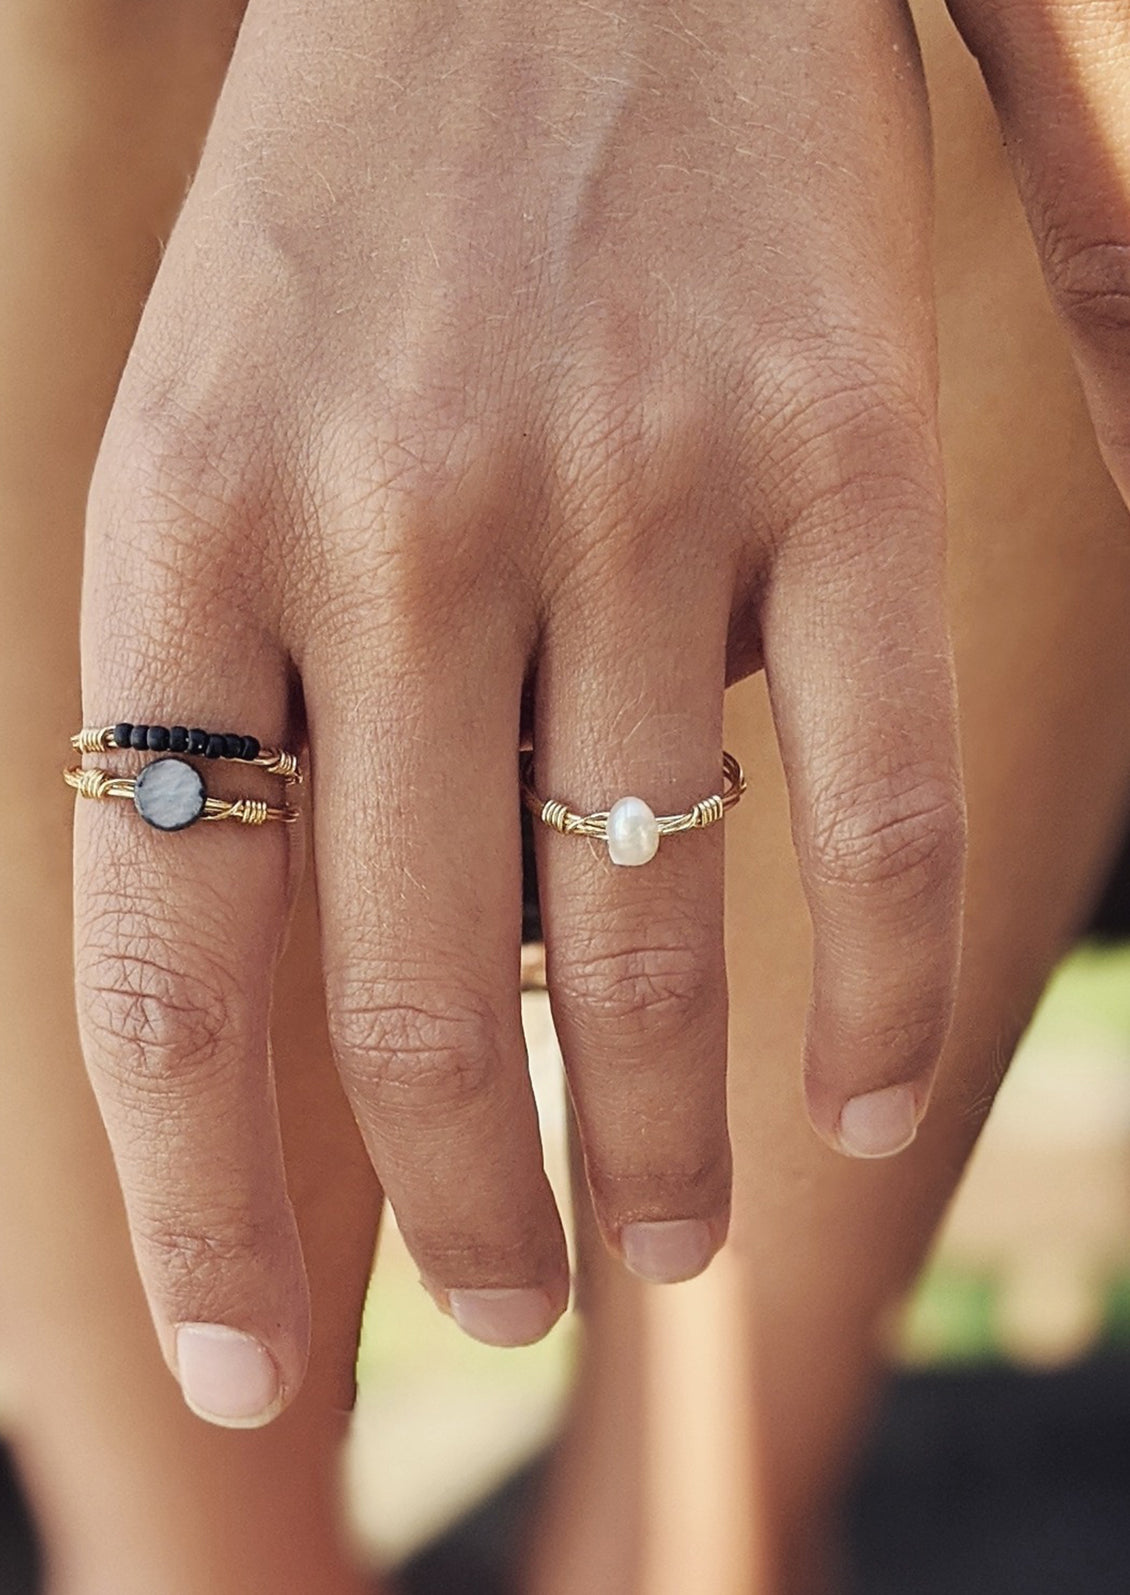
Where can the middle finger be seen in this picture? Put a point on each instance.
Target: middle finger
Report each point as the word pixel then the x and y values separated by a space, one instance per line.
pixel 414 707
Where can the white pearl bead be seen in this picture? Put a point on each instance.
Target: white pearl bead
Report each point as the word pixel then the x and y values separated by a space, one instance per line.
pixel 633 834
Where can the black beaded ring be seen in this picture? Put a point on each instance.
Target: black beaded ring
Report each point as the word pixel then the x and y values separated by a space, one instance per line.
pixel 169 792
pixel 193 741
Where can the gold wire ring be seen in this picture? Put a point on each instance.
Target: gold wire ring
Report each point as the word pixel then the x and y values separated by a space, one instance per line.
pixel 630 828
pixel 247 811
pixel 276 761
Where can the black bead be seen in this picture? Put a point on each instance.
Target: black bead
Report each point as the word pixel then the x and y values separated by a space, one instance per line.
pixel 178 739
pixel 139 738
pixel 198 742
pixel 122 734
pixel 215 748
pixel 233 746
pixel 250 749
pixel 157 740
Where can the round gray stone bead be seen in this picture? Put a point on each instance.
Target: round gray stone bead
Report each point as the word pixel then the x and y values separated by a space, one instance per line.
pixel 169 794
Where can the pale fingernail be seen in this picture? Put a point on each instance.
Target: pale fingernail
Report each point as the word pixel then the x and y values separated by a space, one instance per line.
pixel 666 1251
pixel 879 1123
pixel 502 1317
pixel 226 1376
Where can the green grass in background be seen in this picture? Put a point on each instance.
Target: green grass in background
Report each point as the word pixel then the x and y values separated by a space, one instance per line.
pixel 1086 1006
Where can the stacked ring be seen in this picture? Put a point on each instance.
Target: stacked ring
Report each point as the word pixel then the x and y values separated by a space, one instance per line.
pixel 179 739
pixel 631 829
pixel 169 793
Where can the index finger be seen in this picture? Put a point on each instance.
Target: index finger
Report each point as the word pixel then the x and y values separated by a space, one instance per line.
pixel 177 930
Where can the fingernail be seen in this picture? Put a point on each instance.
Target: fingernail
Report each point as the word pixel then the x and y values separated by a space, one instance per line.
pixel 879 1123
pixel 502 1317
pixel 668 1250
pixel 226 1376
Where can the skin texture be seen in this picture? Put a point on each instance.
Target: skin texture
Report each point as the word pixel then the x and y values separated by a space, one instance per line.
pixel 403 436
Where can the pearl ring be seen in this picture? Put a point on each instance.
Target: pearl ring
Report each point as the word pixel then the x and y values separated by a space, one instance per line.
pixel 630 827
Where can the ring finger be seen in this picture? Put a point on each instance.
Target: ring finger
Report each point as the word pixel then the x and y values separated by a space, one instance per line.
pixel 634 956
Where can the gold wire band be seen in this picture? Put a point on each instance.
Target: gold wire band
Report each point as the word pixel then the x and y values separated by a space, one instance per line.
pixel 276 761
pixel 708 810
pixel 247 811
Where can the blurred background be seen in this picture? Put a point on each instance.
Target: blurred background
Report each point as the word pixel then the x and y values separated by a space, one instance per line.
pixel 1000 1461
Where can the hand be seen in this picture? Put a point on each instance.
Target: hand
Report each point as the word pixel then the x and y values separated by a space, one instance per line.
pixel 577 349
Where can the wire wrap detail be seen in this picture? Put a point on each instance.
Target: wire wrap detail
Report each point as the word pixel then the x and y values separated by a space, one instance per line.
pixel 246 811
pixel 558 815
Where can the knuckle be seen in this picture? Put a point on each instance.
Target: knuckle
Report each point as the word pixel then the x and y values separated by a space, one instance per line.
pixel 1090 283
pixel 639 433
pixel 174 460
pixel 911 1034
pixel 665 987
pixel 189 1256
pixel 422 452
pixel 411 1057
pixel 150 1020
pixel 453 1249
pixel 624 456
pixel 896 1027
pixel 178 489
pixel 887 832
pixel 894 1014
pixel 407 511
pixel 852 436
pixel 692 1179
